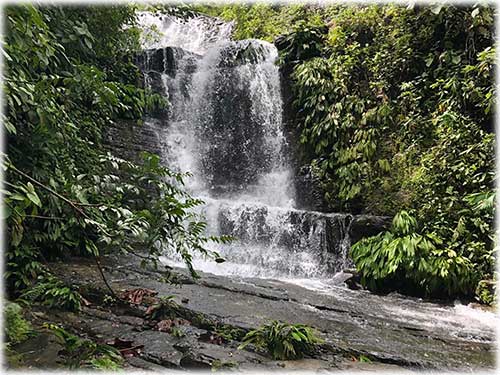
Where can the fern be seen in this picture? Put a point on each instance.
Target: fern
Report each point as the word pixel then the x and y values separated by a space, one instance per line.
pixel 283 341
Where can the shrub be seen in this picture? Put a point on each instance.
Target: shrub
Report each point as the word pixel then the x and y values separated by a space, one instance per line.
pixel 404 259
pixel 51 291
pixel 17 329
pixel 283 341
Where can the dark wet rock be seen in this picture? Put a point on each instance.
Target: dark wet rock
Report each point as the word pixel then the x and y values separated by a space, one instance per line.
pixel 158 347
pixel 151 60
pixel 127 139
pixel 310 195
pixel 242 52
pixel 40 352
pixel 167 60
pixel 390 329
pixel 330 234
pixel 142 364
pixel 155 83
pixel 197 361
pixel 354 282
pixel 281 42
pixel 229 105
pixel 368 225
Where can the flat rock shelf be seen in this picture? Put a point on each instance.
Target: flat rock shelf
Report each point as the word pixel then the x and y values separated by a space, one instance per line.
pixel 395 333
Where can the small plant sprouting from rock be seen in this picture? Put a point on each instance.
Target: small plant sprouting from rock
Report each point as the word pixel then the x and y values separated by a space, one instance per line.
pixel 109 300
pixel 229 333
pixel 162 308
pixel 282 340
pixel 364 359
pixel 217 365
pixel 81 353
pixel 176 332
pixel 51 291
pixel 17 329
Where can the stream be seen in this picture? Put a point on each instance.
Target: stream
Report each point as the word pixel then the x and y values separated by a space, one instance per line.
pixel 225 126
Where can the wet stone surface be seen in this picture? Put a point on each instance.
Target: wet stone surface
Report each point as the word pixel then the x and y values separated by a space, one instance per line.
pixel 392 331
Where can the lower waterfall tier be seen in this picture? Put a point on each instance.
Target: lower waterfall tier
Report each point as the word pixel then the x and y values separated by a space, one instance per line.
pixel 277 242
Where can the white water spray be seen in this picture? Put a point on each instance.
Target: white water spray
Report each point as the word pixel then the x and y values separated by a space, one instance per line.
pixel 225 127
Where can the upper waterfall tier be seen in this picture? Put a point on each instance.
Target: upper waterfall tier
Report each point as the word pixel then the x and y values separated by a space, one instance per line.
pixel 225 119
pixel 196 34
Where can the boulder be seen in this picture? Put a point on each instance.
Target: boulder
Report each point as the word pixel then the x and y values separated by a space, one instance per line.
pixel 368 225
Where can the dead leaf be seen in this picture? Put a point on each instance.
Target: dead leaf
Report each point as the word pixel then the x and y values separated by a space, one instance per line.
pixel 165 325
pixel 125 347
pixel 135 296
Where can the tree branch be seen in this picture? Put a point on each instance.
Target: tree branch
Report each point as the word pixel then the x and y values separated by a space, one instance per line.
pixel 77 209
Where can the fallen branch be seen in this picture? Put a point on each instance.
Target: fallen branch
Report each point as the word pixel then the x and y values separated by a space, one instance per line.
pixel 99 267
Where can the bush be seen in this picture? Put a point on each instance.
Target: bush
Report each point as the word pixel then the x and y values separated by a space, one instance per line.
pixel 405 259
pixel 283 341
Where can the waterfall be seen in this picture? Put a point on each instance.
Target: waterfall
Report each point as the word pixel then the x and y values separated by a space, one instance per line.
pixel 225 126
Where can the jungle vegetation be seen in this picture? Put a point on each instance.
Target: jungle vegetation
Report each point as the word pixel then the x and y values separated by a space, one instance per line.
pixel 394 106
pixel 70 74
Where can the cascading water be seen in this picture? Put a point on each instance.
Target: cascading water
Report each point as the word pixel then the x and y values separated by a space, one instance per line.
pixel 225 127
pixel 224 124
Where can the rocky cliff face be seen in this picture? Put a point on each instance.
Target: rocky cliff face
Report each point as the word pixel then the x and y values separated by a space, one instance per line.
pixel 310 195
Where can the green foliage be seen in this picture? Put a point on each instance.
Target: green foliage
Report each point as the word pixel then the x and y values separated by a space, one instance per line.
pixel 176 332
pixel 304 41
pixel 17 329
pixel 417 263
pixel 364 122
pixel 260 20
pixel 229 333
pixel 69 75
pixel 52 292
pixel 283 341
pixel 364 359
pixel 81 353
pixel 105 363
pixel 217 365
pixel 486 292
pixel 395 112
